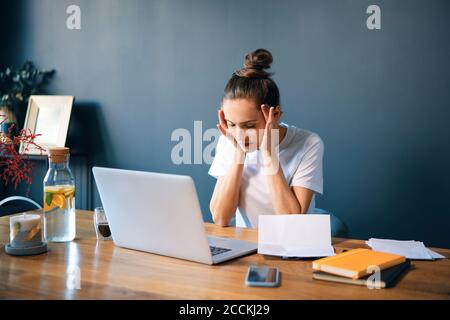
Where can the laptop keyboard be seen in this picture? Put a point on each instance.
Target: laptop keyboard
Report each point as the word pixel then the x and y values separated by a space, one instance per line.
pixel 217 250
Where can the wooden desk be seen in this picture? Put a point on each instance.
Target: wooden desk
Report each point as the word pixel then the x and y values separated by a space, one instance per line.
pixel 109 272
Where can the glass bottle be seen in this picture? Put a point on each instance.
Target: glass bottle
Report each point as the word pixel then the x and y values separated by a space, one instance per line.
pixel 59 198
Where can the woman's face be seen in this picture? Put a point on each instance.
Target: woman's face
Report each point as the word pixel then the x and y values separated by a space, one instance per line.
pixel 245 122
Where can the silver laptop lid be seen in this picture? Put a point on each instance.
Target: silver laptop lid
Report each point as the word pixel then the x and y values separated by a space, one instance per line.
pixel 153 212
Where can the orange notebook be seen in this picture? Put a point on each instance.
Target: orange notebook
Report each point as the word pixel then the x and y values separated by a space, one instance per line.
pixel 355 263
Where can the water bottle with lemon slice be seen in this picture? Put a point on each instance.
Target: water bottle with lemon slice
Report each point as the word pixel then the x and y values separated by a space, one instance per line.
pixel 59 198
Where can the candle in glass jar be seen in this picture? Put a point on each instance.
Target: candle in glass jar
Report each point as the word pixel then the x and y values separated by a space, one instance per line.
pixel 25 230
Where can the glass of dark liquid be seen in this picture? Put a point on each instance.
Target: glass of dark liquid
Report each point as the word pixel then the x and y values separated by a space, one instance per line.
pixel 101 225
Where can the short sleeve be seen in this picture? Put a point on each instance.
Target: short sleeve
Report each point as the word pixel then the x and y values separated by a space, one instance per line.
pixel 220 164
pixel 309 173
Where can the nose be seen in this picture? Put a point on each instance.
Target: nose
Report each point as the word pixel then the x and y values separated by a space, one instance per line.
pixel 246 135
pixel 240 133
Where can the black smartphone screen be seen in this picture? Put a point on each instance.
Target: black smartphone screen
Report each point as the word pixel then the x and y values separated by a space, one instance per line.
pixel 262 274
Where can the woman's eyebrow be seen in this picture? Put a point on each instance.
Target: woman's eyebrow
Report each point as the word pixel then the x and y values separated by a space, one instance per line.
pixel 244 122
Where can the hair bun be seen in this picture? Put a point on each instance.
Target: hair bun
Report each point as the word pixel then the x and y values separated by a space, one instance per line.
pixel 255 63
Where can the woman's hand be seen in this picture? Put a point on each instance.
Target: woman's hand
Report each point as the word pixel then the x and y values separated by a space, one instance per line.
pixel 270 140
pixel 239 154
pixel 225 198
pixel 284 199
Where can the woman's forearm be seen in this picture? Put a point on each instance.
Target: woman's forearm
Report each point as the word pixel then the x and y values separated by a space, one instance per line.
pixel 283 199
pixel 225 198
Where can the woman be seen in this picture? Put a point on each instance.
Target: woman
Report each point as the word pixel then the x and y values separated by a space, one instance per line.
pixel 262 165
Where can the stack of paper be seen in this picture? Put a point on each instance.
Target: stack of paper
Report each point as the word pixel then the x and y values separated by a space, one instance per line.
pixel 410 249
pixel 295 235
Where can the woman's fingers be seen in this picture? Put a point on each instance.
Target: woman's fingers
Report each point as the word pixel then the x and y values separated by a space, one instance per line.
pixel 222 126
pixel 222 130
pixel 277 117
pixel 268 129
pixel 268 117
pixel 222 121
pixel 265 111
pixel 269 120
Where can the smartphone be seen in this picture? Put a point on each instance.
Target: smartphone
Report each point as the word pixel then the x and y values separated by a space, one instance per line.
pixel 262 277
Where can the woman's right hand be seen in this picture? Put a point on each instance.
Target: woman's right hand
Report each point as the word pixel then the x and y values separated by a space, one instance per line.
pixel 239 154
pixel 225 198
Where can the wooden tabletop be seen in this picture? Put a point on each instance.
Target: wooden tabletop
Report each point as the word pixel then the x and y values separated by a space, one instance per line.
pixel 110 272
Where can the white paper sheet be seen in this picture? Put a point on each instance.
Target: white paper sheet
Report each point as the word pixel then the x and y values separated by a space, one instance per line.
pixel 295 235
pixel 410 249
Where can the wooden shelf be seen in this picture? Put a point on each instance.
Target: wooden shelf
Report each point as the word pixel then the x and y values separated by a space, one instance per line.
pixel 44 156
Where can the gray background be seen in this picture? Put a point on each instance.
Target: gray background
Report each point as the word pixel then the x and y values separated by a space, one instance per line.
pixel 379 99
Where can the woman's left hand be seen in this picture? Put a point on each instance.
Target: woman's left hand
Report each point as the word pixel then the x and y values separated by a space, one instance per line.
pixel 267 145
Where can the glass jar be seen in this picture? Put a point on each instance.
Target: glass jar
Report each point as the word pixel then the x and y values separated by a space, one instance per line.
pixel 59 198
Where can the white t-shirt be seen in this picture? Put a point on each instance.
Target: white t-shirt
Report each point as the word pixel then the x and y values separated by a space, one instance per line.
pixel 300 157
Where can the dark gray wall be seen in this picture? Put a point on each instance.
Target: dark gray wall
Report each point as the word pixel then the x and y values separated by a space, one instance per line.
pixel 8 33
pixel 379 99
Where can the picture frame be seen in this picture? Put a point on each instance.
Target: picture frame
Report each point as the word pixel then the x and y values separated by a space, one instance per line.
pixel 48 116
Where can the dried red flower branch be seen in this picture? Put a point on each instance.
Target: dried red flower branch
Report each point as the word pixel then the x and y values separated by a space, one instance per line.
pixel 15 166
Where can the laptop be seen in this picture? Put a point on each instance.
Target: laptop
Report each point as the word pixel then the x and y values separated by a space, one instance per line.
pixel 160 213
